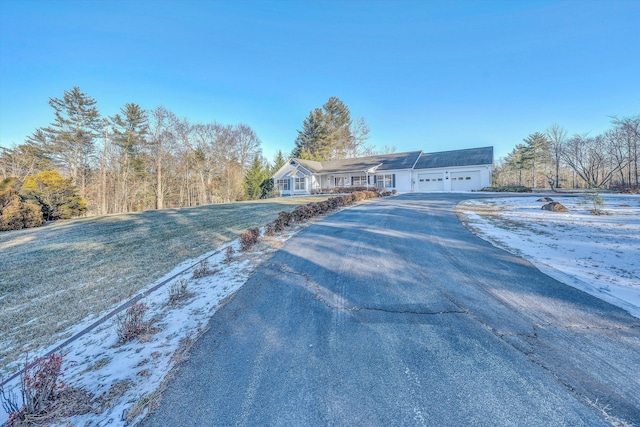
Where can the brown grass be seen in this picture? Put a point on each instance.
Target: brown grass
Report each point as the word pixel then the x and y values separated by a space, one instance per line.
pixel 53 277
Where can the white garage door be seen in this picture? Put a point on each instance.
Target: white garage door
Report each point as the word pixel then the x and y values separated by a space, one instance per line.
pixel 465 181
pixel 430 182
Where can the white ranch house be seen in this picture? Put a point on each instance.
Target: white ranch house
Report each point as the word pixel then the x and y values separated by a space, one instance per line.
pixel 458 170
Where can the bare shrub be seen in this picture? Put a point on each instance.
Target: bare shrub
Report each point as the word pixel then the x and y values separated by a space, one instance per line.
pixel 228 254
pixel 202 270
pixel 286 218
pixel 178 291
pixel 40 386
pixel 131 324
pixel 249 238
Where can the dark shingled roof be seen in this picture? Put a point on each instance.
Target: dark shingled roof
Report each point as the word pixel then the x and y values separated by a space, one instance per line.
pixel 445 159
pixel 385 161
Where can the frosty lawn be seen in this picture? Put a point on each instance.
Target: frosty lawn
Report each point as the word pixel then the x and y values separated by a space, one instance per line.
pixel 66 273
pixel 599 254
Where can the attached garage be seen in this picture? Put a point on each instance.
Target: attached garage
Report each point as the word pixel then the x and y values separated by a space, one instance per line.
pixel 430 182
pixel 465 181
pixel 457 170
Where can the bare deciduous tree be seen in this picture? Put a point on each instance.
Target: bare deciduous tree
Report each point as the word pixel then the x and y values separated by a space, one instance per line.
pixel 556 136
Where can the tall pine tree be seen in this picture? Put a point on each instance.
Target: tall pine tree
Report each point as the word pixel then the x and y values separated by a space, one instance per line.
pixel 130 132
pixel 70 138
pixel 326 133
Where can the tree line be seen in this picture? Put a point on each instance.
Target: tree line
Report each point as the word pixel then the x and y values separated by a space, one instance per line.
pixel 133 160
pixel 555 159
pixel 86 163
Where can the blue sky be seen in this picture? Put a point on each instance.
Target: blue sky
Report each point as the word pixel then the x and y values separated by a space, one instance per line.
pixel 425 75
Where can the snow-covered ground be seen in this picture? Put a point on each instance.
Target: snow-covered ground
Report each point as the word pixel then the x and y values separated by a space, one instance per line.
pixel 123 379
pixel 599 254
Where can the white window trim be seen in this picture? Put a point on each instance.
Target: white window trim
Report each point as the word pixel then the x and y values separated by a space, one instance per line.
pixel 297 182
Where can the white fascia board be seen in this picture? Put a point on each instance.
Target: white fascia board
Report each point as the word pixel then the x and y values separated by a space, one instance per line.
pixel 283 170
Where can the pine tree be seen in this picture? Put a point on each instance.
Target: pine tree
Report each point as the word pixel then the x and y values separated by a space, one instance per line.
pixel 130 131
pixel 338 123
pixel 326 133
pixel 537 154
pixel 312 141
pixel 278 162
pixel 70 139
pixel 254 178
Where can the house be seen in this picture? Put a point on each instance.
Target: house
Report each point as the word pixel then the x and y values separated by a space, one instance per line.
pixel 458 170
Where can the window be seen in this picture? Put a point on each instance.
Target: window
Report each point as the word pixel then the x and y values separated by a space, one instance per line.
pixel 359 180
pixel 283 184
pixel 468 177
pixel 385 181
pixel 299 184
pixel 338 181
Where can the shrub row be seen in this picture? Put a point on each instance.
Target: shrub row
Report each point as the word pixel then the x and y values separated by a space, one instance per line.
pixel 303 213
pixel 509 189
pixel 342 190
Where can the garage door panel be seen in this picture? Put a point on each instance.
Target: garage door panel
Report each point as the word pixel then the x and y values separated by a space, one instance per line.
pixel 430 182
pixel 465 181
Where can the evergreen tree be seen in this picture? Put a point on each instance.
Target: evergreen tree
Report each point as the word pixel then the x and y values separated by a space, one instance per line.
pixel 537 154
pixel 327 133
pixel 129 135
pixel 278 162
pixel 58 197
pixel 130 129
pixel 518 160
pixel 15 212
pixel 254 178
pixel 70 139
pixel 338 123
pixel 312 142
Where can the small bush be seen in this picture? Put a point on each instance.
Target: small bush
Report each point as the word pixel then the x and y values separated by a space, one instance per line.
pixel 592 199
pixel 16 214
pixel 202 270
pixel 178 291
pixel 40 386
pixel 249 238
pixel 278 225
pixel 228 254
pixel 131 324
pixel 286 218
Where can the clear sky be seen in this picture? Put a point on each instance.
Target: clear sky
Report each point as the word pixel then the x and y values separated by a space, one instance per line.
pixel 425 75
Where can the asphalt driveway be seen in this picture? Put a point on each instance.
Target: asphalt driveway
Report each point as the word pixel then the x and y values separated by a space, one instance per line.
pixel 391 313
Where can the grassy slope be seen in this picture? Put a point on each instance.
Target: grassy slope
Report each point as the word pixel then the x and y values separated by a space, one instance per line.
pixel 53 277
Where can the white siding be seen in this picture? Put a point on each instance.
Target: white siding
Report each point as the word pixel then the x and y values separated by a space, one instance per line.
pixel 466 178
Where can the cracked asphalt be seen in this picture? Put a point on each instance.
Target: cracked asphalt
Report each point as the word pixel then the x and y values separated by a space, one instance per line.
pixel 391 313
